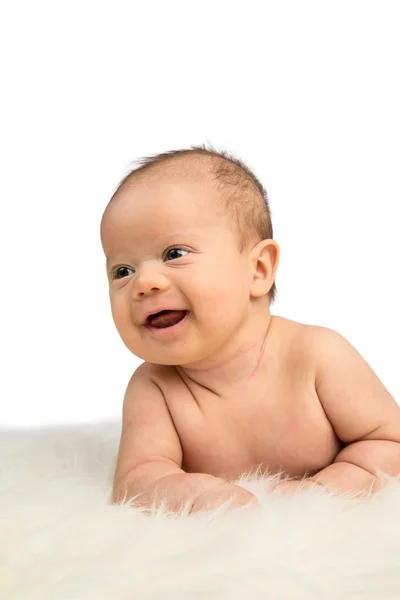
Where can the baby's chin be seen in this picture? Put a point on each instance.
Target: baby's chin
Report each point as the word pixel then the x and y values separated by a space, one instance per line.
pixel 169 358
pixel 166 361
pixel 165 357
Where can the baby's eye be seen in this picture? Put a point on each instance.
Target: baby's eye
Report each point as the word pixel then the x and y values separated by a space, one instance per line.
pixel 118 270
pixel 175 249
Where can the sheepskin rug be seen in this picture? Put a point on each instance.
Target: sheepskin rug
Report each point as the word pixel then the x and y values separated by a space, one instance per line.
pixel 61 539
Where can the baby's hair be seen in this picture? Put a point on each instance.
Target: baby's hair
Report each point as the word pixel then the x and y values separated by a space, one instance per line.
pixel 242 194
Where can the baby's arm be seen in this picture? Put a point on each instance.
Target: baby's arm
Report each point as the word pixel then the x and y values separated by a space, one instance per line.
pixel 197 490
pixel 150 457
pixel 362 412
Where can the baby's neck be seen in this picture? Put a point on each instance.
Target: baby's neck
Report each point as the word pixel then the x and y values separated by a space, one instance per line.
pixel 238 366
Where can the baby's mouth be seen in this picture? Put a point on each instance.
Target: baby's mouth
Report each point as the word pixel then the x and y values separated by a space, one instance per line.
pixel 166 318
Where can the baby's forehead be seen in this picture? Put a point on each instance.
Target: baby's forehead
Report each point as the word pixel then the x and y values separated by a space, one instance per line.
pixel 185 198
pixel 159 211
pixel 186 171
pixel 183 193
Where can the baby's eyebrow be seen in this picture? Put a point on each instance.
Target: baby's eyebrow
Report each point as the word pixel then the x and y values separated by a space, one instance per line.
pixel 109 263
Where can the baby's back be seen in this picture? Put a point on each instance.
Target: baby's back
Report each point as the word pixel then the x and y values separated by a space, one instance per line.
pixel 275 421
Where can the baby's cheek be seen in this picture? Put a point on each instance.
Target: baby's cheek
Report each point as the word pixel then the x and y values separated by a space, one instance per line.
pixel 120 314
pixel 215 285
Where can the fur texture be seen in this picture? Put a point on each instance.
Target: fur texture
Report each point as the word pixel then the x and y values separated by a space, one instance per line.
pixel 61 539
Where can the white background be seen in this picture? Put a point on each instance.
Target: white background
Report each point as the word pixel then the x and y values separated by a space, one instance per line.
pixel 307 93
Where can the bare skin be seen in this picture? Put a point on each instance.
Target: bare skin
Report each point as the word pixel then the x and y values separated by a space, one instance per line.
pixel 272 419
pixel 238 382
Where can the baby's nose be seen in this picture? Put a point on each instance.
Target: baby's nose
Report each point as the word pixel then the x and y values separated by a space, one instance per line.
pixel 149 281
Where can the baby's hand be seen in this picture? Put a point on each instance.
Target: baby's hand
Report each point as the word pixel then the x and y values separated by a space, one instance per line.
pixel 212 499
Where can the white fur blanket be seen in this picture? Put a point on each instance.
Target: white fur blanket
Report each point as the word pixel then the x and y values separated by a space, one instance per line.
pixel 60 539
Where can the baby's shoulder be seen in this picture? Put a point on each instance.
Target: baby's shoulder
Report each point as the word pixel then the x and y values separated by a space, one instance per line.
pixel 314 346
pixel 300 342
pixel 295 334
pixel 299 329
pixel 162 375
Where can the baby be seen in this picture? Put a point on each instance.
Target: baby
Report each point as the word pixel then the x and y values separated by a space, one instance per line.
pixel 225 387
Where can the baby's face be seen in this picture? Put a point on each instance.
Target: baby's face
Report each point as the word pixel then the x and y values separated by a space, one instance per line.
pixel 170 246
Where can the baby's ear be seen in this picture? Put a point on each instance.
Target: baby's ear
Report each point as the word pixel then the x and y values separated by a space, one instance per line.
pixel 264 259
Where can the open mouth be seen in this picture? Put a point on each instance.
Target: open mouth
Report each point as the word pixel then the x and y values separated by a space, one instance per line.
pixel 166 318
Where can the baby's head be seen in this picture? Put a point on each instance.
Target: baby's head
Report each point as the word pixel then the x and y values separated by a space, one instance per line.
pixel 191 230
